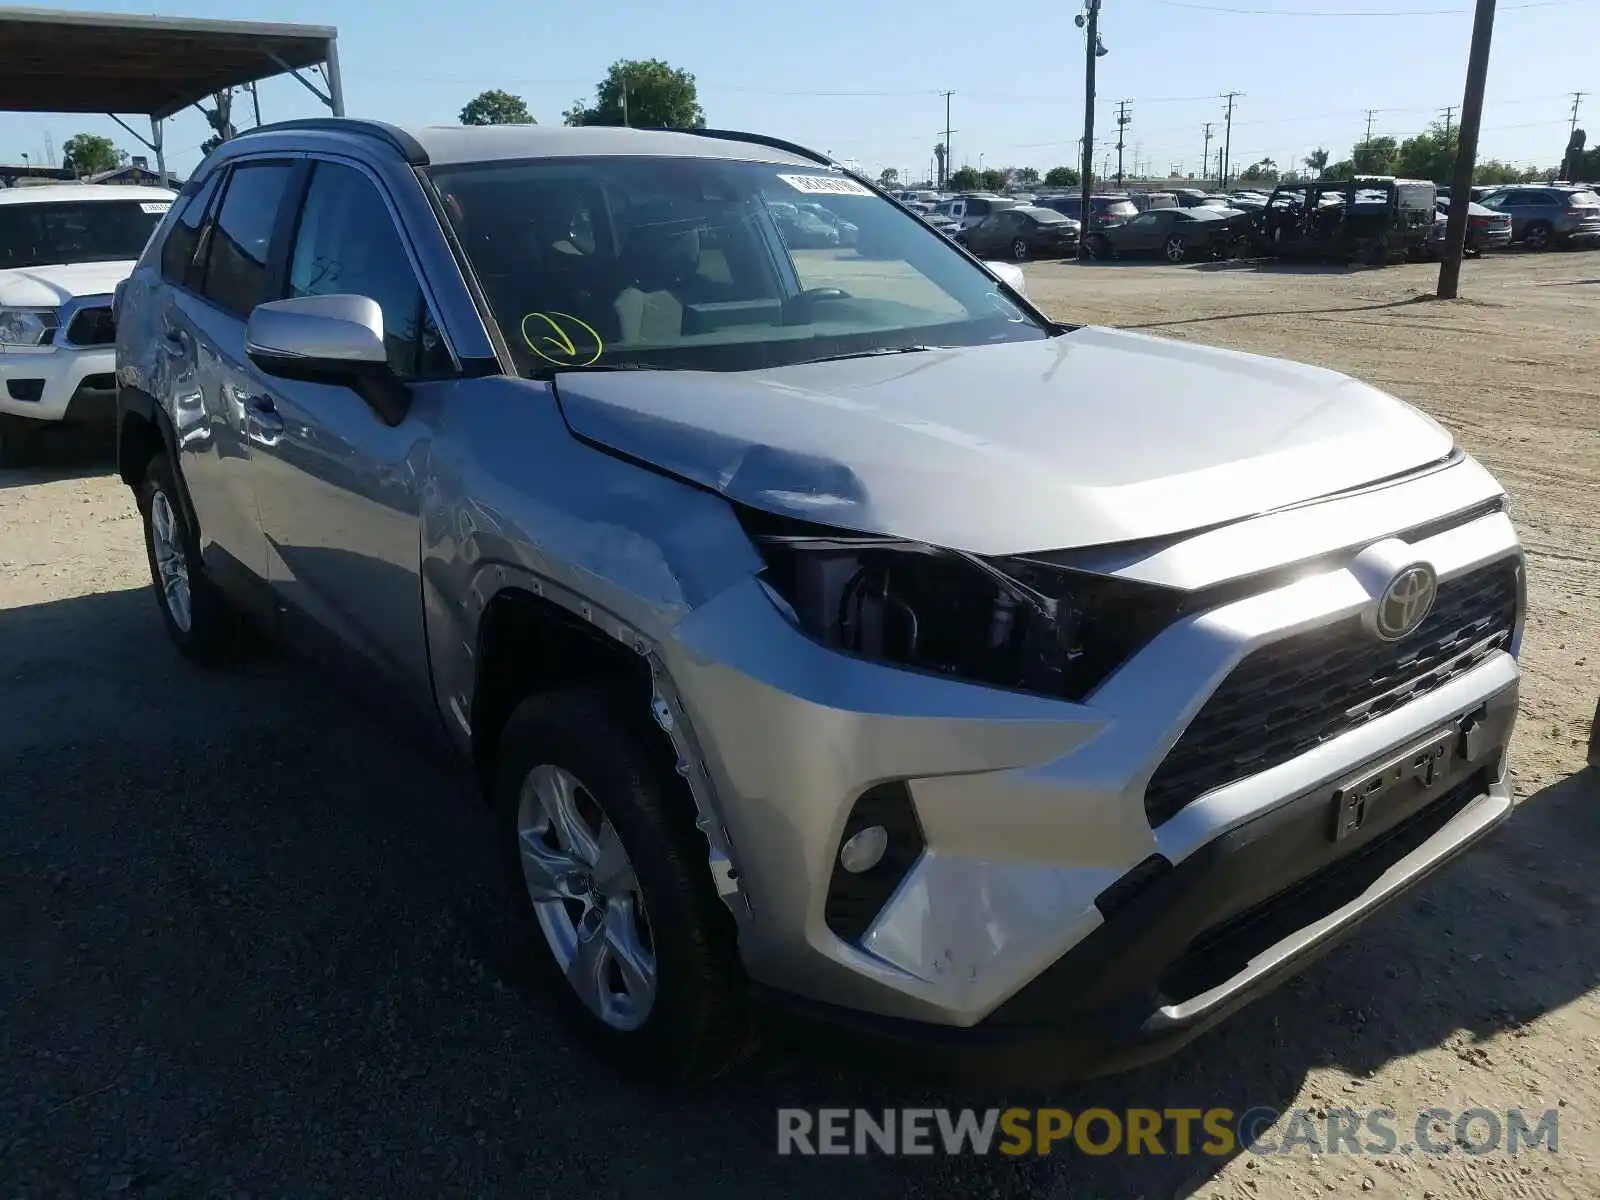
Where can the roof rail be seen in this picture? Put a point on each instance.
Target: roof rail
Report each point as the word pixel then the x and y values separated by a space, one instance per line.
pixel 410 149
pixel 761 139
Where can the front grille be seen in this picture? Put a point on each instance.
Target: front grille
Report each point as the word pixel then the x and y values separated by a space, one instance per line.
pixel 1294 694
pixel 92 327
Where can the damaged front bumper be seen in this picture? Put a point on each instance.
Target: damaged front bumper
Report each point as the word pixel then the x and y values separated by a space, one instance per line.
pixel 1029 810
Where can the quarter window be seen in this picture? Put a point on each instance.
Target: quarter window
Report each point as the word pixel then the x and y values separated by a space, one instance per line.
pixel 236 272
pixel 177 252
pixel 347 244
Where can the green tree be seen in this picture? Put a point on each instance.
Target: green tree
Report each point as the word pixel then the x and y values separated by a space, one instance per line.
pixel 496 107
pixel 993 179
pixel 90 153
pixel 1025 176
pixel 1265 171
pixel 1375 156
pixel 1429 155
pixel 1061 177
pixel 643 92
pixel 888 178
pixel 966 179
pixel 1316 160
pixel 1342 169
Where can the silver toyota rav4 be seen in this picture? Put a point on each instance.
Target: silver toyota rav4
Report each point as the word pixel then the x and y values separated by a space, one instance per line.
pixel 826 626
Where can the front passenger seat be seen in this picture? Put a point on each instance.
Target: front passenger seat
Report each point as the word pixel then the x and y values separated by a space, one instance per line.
pixel 662 258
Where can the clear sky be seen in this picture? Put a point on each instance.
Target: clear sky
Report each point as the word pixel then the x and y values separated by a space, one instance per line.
pixel 863 80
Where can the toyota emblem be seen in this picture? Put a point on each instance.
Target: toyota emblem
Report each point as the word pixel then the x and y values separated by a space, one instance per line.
pixel 1406 602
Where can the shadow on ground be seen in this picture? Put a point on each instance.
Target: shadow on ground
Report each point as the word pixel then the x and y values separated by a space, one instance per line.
pixel 70 453
pixel 254 944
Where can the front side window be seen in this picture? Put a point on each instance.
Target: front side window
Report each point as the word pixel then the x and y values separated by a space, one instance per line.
pixel 347 243
pixel 77 231
pixel 696 263
pixel 236 274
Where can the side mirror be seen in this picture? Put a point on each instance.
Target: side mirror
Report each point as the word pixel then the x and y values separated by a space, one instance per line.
pixel 335 340
pixel 1011 274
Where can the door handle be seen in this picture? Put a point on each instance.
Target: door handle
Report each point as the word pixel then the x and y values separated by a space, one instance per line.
pixel 264 420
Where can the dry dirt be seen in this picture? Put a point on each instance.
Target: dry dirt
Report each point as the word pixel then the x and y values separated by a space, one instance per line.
pixel 256 953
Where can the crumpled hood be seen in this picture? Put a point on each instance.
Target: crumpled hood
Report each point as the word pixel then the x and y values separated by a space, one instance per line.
pixel 1093 437
pixel 52 286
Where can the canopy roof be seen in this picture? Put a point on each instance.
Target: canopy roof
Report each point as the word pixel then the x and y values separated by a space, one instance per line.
pixel 58 61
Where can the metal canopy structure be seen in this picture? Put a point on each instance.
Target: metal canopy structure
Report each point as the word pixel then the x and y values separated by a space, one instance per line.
pixel 54 61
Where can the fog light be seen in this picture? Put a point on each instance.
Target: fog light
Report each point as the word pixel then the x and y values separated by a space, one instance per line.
pixel 865 850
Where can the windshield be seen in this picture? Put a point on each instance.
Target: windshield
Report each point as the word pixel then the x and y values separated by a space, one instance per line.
pixel 710 264
pixel 76 231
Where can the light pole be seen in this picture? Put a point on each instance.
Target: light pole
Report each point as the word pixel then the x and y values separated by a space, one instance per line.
pixel 1089 22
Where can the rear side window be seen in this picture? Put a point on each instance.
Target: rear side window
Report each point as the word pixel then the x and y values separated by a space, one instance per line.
pixel 177 252
pixel 236 273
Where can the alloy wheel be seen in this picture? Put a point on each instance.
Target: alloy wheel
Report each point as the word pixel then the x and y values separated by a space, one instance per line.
pixel 172 564
pixel 1019 249
pixel 586 897
pixel 1175 249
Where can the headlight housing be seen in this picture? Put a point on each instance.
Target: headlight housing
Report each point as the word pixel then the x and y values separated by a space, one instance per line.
pixel 26 326
pixel 1013 623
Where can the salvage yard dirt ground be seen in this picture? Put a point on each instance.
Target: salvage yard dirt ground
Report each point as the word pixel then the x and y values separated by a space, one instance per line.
pixel 250 945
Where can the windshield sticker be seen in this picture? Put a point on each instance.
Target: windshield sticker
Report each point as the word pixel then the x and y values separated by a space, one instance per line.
pixel 561 338
pixel 156 206
pixel 826 185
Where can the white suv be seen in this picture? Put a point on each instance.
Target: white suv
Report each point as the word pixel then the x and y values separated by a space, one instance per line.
pixel 63 250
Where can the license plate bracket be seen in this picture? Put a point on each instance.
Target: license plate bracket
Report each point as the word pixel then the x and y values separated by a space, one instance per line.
pixel 1417 769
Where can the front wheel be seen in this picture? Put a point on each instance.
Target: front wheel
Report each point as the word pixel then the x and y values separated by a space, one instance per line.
pixel 1537 236
pixel 1176 251
pixel 608 872
pixel 1100 247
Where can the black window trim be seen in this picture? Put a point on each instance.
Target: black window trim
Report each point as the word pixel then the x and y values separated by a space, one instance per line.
pixel 430 299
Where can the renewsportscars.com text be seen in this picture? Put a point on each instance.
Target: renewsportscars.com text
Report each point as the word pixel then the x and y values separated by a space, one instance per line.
pixel 1216 1132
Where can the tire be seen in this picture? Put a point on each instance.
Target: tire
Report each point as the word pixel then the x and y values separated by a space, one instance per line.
pixel 1175 250
pixel 1019 250
pixel 19 442
pixel 201 622
pixel 693 1022
pixel 1538 236
pixel 1100 248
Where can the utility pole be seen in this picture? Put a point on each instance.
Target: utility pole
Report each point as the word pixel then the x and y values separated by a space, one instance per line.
pixel 1370 112
pixel 1227 140
pixel 1577 97
pixel 1448 113
pixel 1455 236
pixel 947 132
pixel 1122 123
pixel 1205 155
pixel 1091 47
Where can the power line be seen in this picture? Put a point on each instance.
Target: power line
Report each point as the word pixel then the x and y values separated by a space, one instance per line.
pixel 1400 12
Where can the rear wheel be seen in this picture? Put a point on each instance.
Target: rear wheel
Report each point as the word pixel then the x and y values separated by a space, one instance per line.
pixel 1175 250
pixel 199 619
pixel 1019 249
pixel 1537 236
pixel 609 874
